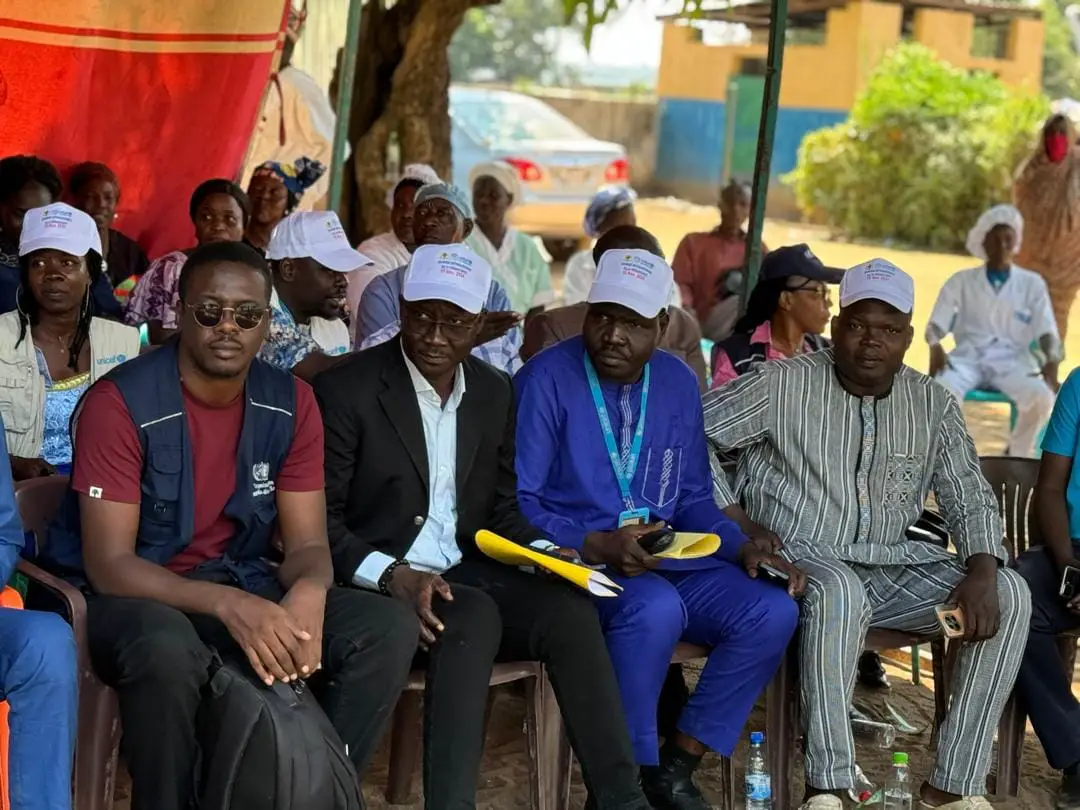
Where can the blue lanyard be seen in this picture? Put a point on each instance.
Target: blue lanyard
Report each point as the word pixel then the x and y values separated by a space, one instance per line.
pixel 624 474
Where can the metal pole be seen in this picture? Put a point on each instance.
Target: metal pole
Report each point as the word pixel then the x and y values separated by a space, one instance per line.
pixel 346 80
pixel 769 105
pixel 731 109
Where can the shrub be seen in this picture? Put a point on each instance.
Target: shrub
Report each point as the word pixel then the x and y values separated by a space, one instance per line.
pixel 926 149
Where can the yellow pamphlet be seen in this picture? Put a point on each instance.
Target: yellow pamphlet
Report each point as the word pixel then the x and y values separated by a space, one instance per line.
pixel 510 553
pixel 691 546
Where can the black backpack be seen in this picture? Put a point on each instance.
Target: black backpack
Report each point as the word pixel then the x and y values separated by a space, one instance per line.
pixel 270 748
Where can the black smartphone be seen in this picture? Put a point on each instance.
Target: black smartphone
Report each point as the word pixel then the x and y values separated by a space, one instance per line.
pixel 655 542
pixel 1070 583
pixel 773 575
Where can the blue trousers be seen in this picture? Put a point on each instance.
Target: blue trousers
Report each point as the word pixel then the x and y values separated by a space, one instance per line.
pixel 747 623
pixel 39 680
pixel 1042 683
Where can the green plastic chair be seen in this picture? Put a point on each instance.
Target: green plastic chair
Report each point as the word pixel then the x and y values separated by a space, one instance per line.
pixel 993 396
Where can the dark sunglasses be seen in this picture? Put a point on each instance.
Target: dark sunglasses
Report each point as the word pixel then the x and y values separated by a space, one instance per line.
pixel 246 316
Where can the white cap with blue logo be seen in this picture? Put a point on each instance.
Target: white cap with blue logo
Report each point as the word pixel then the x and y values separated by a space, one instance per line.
pixel 635 279
pixel 60 227
pixel 450 273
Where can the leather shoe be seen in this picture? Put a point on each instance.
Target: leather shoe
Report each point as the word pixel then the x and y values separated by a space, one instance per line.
pixel 670 785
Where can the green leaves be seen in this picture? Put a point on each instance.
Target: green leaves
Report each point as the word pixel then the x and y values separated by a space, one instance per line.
pixel 587 14
pixel 927 148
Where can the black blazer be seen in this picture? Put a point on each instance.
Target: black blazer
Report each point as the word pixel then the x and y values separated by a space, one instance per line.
pixel 376 458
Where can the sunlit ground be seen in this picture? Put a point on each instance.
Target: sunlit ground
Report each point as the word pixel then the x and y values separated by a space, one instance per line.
pixel 669 220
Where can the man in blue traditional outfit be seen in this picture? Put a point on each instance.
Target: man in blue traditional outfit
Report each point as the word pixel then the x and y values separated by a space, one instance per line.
pixel 611 446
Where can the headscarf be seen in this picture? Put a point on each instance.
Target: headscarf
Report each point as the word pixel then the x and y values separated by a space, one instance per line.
pixel 297 178
pixel 1047 195
pixel 503 173
pixel 607 201
pixel 998 215
pixel 420 172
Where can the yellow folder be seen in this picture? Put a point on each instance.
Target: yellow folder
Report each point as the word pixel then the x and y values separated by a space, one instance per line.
pixel 510 553
pixel 690 546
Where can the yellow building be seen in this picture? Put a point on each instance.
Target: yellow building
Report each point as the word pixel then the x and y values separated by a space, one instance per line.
pixel 710 95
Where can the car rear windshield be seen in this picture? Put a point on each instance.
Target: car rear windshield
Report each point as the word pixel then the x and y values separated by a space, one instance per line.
pixel 498 120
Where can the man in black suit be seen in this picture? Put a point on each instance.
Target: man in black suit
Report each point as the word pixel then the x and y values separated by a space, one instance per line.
pixel 419 457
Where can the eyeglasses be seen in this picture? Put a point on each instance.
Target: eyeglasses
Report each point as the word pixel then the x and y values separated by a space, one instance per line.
pixel 246 316
pixel 820 290
pixel 422 323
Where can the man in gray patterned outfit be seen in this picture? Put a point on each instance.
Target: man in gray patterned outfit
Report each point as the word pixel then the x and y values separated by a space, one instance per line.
pixel 839 451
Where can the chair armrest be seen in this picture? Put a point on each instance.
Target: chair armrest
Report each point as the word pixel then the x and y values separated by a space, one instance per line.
pixel 74 603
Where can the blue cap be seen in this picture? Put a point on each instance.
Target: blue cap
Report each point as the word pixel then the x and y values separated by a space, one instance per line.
pixel 445 191
pixel 757 737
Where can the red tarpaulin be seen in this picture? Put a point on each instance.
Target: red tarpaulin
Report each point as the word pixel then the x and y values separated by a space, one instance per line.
pixel 165 92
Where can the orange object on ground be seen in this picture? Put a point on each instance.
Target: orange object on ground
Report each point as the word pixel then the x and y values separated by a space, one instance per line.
pixel 9 599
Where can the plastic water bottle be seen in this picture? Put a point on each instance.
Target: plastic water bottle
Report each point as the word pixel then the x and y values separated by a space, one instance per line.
pixel 883 735
pixel 863 789
pixel 898 785
pixel 758 783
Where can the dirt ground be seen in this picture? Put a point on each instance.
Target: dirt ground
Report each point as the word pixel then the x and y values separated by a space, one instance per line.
pixel 504 779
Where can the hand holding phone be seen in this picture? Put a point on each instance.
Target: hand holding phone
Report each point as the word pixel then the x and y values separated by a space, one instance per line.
pixel 658 541
pixel 951 619
pixel 772 575
pixel 1070 583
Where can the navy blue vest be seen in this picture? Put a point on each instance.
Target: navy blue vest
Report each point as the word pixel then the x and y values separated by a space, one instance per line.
pixel 150 387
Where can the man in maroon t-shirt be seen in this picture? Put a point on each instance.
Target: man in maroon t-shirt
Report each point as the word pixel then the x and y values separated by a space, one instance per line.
pixel 150 626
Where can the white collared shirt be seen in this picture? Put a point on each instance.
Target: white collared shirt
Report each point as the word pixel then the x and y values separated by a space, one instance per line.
pixel 435 549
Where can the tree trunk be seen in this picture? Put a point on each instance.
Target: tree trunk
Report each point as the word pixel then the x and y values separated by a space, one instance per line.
pixel 401 85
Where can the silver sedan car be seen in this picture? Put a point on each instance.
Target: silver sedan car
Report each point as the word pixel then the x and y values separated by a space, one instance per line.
pixel 559 165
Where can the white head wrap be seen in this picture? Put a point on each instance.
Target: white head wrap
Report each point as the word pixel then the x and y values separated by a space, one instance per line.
pixel 998 215
pixel 503 173
pixel 414 171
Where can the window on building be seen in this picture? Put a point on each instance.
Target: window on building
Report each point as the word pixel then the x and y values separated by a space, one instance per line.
pixel 990 39
pixel 753 67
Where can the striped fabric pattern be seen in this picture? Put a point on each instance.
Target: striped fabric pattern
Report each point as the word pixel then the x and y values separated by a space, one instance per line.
pixel 839 477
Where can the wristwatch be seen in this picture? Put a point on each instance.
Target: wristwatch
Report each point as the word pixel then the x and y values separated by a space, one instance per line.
pixel 388 574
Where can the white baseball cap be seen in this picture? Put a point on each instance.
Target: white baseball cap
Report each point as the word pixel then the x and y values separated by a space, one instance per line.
pixel 315 235
pixel 448 273
pixel 879 280
pixel 635 279
pixel 60 227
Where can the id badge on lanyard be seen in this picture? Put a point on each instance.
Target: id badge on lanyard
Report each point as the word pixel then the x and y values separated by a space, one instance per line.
pixel 624 473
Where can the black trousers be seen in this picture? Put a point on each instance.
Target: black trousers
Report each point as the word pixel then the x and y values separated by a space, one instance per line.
pixel 500 613
pixel 1042 683
pixel 157 659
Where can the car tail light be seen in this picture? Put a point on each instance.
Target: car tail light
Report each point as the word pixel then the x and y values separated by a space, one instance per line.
pixel 528 171
pixel 618 171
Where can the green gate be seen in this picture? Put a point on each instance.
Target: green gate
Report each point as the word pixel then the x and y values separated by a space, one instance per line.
pixel 742 120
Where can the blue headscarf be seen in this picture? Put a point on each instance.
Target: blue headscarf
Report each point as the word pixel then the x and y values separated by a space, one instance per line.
pixel 606 201
pixel 297 178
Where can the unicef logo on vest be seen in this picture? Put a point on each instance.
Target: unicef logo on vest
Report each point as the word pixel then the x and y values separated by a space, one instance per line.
pixel 262 485
pixel 113 360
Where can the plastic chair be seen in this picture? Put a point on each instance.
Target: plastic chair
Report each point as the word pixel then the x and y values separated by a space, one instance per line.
pixel 98 737
pixel 783 701
pixel 683 652
pixel 990 395
pixel 707 350
pixel 543 726
pixel 1013 481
